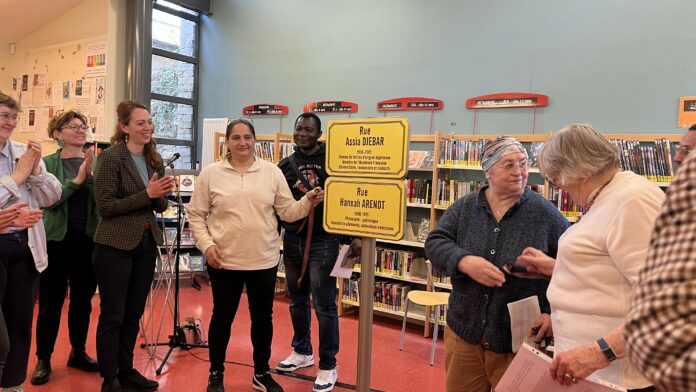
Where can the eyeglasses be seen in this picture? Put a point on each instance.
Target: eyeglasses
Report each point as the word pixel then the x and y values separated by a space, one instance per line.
pixel 550 181
pixel 684 150
pixel 509 166
pixel 76 128
pixel 8 117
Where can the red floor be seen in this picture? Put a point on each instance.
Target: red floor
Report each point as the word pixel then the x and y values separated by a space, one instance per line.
pixel 392 370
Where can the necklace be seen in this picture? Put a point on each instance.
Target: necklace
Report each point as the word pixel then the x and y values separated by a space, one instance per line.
pixel 593 197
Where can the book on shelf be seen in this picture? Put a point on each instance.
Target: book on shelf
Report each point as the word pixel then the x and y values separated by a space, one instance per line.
pixel 186 182
pixel 416 159
pixel 221 148
pixel 386 294
pixel 534 153
pixel 285 149
pixel 450 190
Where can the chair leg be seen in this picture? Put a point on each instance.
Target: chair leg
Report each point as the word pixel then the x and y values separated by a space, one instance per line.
pixel 435 333
pixel 403 326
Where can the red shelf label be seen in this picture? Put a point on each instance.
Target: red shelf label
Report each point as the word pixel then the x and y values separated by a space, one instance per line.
pixel 265 109
pixel 408 104
pixel 331 107
pixel 507 100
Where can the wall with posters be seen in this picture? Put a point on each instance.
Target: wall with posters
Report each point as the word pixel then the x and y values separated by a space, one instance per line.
pixel 621 65
pixel 49 71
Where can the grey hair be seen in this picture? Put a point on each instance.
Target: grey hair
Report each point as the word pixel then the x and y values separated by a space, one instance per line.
pixel 575 152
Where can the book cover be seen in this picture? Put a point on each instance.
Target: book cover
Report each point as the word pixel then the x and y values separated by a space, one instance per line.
pixel 187 182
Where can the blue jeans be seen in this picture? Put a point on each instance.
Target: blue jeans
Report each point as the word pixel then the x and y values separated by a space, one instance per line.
pixel 322 256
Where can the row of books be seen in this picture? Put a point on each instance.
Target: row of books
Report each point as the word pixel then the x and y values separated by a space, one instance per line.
pixel 418 190
pixel 562 200
pixel 651 161
pixel 399 263
pixel 285 150
pixel 440 277
pixel 386 294
pixel 448 191
pixel 264 150
pixel 461 152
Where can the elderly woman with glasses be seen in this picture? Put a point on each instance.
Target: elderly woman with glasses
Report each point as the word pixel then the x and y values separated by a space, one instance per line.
pixel 70 224
pixel 474 239
pixel 597 265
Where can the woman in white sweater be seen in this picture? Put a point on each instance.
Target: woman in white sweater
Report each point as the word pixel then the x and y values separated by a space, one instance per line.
pixel 232 216
pixel 598 258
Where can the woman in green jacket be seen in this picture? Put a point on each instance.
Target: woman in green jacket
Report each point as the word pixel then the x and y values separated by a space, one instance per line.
pixel 70 224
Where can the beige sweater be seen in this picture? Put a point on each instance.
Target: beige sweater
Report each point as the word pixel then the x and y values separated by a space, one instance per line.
pixel 236 212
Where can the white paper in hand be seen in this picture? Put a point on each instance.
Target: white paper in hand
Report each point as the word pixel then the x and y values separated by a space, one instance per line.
pixel 523 313
pixel 339 271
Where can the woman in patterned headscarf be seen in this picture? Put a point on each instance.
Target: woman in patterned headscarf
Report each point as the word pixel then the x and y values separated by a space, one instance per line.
pixel 476 236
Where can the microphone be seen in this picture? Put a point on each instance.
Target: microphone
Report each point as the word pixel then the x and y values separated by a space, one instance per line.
pixel 172 159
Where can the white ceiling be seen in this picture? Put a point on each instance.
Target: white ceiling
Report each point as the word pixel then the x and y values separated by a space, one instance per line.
pixel 22 17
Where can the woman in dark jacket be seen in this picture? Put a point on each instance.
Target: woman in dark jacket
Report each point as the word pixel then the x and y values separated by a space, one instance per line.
pixel 130 186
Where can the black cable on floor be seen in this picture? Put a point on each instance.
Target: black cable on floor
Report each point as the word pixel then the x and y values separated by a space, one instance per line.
pixel 293 375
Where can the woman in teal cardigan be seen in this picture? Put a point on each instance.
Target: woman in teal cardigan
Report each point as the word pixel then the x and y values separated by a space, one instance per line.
pixel 70 225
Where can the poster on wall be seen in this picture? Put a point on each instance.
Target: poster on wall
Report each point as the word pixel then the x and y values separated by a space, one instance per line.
pixel 687 111
pixel 96 59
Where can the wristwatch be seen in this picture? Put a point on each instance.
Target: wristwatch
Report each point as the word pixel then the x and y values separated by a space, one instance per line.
pixel 606 350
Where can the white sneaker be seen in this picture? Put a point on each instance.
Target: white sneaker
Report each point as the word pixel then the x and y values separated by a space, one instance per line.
pixel 326 379
pixel 18 388
pixel 294 362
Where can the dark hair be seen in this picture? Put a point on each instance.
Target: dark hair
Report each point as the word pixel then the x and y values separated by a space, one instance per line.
pixel 693 128
pixel 63 119
pixel 316 118
pixel 232 123
pixel 123 114
pixel 6 100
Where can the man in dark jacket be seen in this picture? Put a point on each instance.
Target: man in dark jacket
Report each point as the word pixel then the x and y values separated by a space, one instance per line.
pixel 310 159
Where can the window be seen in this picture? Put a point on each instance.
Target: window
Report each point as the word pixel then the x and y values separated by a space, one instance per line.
pixel 174 88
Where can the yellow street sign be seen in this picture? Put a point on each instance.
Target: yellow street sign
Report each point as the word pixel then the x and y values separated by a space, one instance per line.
pixel 368 147
pixel 365 207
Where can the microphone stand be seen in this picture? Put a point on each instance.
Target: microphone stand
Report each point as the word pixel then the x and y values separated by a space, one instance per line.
pixel 177 339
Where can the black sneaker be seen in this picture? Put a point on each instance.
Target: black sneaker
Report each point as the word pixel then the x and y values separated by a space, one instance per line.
pixel 134 380
pixel 215 382
pixel 264 382
pixel 42 372
pixel 80 360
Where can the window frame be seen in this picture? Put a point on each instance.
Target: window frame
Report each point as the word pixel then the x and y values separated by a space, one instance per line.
pixel 193 101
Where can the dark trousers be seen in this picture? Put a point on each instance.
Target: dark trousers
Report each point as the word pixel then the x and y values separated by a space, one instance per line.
pixel 18 287
pixel 227 288
pixel 322 287
pixel 69 261
pixel 4 343
pixel 124 278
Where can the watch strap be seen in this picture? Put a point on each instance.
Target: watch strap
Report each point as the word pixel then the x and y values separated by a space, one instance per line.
pixel 606 350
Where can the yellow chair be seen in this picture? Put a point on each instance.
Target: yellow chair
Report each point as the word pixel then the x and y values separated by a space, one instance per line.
pixel 426 298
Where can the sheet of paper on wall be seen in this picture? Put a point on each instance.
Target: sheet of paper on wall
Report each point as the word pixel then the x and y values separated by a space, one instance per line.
pixel 57 95
pixel 41 122
pixel 96 59
pixel 38 80
pixel 529 371
pixel 99 91
pixel 83 95
pixel 523 313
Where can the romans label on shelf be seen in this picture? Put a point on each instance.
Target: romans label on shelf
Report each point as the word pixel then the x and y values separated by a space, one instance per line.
pixel 507 100
pixel 265 109
pixel 365 207
pixel 331 107
pixel 409 103
pixel 376 148
pixel 687 111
